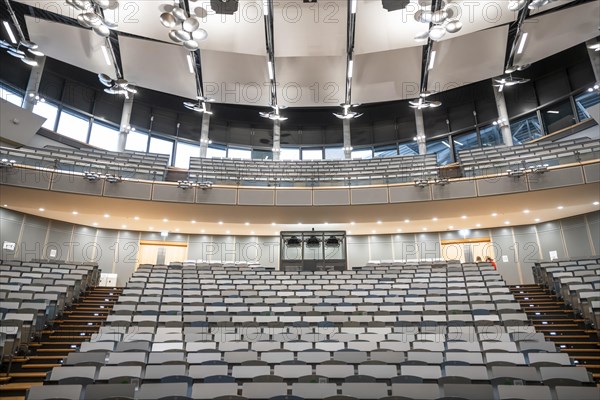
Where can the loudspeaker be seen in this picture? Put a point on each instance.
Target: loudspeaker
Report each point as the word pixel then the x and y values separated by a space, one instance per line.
pixel 224 6
pixel 393 5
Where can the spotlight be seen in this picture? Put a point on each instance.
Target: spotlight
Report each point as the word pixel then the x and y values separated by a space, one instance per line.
pixel 442 181
pixel 539 169
pixel 5 163
pixel 205 185
pixel 185 185
pixel 313 241
pixel 224 6
pixel 332 241
pixel 422 183
pixel 293 242
pixel 394 5
pixel 516 173
pixel 91 176
pixel 111 178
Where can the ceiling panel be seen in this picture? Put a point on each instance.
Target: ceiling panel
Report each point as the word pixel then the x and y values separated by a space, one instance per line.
pixel 311 81
pixel 84 48
pixel 310 29
pixel 555 32
pixel 387 75
pixel 236 78
pixel 380 30
pixel 157 66
pixel 467 59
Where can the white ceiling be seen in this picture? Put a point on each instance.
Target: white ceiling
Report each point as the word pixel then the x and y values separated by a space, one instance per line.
pixel 555 32
pixel 83 49
pixel 310 47
pixel 140 66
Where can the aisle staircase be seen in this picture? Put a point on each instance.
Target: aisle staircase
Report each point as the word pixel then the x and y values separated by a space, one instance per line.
pixel 77 324
pixel 560 324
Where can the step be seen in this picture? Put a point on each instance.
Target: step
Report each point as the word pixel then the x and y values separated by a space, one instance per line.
pixel 39 366
pixel 55 350
pixel 45 357
pixel 26 374
pixel 19 386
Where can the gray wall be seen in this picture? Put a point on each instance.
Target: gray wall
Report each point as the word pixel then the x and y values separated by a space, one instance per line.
pixel 516 248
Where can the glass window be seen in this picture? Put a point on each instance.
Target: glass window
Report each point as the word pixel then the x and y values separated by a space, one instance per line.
pixel 216 152
pixel 464 141
pixel 104 137
pixel 584 101
pixel 136 141
pixel 72 126
pixel 409 148
pixel 441 148
pixel 239 153
pixel 490 136
pixel 312 154
pixel 558 116
pixel 262 154
pixel 362 154
pixel 183 154
pixel 385 151
pixel 526 129
pixel 48 111
pixel 161 146
pixel 289 154
pixel 11 97
pixel 334 153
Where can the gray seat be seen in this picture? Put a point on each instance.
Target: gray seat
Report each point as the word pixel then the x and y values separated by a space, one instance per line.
pixel 523 392
pixel 101 391
pixel 469 391
pixel 156 391
pixel 49 392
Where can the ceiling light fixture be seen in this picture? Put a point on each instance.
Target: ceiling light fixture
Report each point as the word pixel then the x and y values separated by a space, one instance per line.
pixel 432 60
pixel 522 43
pixel 353 6
pixel 422 103
pixel 18 43
pixel 190 64
pixel 91 15
pixel 507 81
pixel 445 20
pixel 106 55
pixel 274 115
pixel 11 34
pixel 184 28
pixel 346 113
pixel 596 203
pixel 270 69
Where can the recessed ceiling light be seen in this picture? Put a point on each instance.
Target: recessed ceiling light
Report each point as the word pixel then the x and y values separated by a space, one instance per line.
pixel 273 223
pixel 95 224
pixel 136 218
pixel 106 215
pixel 478 225
pixel 252 232
pixel 5 205
pixel 373 231
pixel 560 207
pixel 74 213
pixel 537 220
pixel 506 222
pixel 494 214
pixel 325 223
pixel 176 229
pixel 352 222
pixel 398 230
pixel 424 229
pixel 553 112
pixel 247 223
pixel 165 220
pixel 526 211
pixel 434 219
pixel 202 231
pixel 227 232
pixel 379 222
pixel 451 227
pixel 193 222
pixel 596 203
pixel 151 228
pixel 406 221
pixel 349 233
pixel 124 226
pixel 464 217
pixel 41 209
pixel 299 223
pixel 220 222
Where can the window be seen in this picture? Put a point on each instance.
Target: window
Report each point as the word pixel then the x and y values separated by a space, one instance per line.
pixel 137 141
pixel 584 101
pixel 104 137
pixel 441 148
pixel 385 151
pixel 11 97
pixel 490 136
pixel 409 148
pixel 464 142
pixel 216 152
pixel 48 111
pixel 526 129
pixel 558 116
pixel 312 154
pixel 239 153
pixel 161 146
pixel 183 154
pixel 72 126
pixel 334 153
pixel 289 154
pixel 362 154
pixel 262 154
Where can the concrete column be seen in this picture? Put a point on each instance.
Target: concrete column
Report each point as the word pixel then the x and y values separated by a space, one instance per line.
pixel 276 140
pixel 594 58
pixel 502 116
pixel 204 133
pixel 125 119
pixel 420 123
pixel 33 86
pixel 347 139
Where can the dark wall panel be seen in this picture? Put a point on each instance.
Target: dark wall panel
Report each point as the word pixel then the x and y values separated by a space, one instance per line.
pixel 550 236
pixel 576 236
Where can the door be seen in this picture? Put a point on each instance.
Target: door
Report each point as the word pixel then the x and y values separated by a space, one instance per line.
pixel 467 250
pixel 162 252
